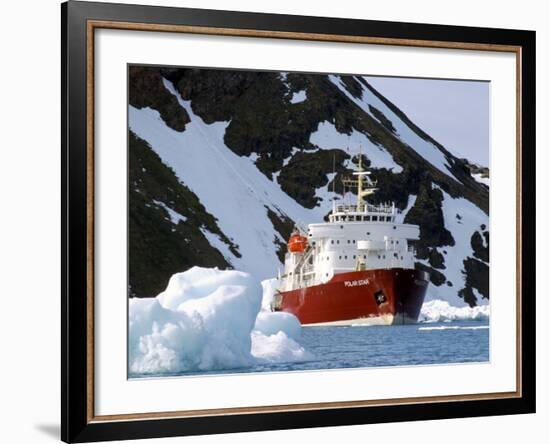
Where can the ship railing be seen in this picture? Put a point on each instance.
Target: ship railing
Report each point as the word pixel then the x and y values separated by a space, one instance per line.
pixel 367 208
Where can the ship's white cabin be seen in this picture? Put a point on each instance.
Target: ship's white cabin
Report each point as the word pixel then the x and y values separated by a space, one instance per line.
pixel 356 237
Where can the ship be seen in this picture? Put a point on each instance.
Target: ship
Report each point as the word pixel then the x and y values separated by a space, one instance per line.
pixel 356 269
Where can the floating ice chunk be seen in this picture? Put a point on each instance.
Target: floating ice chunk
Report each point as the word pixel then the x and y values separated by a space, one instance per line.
pixel 270 323
pixel 202 321
pixel 269 287
pixel 442 311
pixel 209 319
pixel 277 348
pixel 200 282
pixel 454 327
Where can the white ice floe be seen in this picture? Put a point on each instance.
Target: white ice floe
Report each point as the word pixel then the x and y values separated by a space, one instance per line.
pixel 427 150
pixel 208 319
pixel 442 311
pixel 454 327
pixel 327 137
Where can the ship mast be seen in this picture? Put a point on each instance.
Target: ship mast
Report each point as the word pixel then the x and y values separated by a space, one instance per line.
pixel 361 177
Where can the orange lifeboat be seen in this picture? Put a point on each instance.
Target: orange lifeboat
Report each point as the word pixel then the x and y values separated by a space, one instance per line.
pixel 297 243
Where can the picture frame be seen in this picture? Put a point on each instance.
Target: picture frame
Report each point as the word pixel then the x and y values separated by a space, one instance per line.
pixel 79 180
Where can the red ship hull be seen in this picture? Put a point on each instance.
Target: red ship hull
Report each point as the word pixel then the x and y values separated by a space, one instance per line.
pixel 384 296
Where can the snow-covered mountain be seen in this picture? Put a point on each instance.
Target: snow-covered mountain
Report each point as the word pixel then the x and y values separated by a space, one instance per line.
pixel 224 163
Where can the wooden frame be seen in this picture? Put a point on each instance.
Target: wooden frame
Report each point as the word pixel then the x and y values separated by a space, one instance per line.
pixel 79 21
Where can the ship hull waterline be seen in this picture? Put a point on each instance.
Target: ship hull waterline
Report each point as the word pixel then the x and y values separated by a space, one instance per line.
pixel 371 297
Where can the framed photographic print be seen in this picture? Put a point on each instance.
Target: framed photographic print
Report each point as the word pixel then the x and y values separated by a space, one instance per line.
pixel 277 221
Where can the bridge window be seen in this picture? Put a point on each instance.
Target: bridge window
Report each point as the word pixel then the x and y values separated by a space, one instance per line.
pixel 332 241
pixel 353 241
pixel 349 241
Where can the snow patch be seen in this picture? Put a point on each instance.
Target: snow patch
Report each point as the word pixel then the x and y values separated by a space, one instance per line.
pixel 327 137
pixel 461 228
pixel 215 241
pixel 287 159
pixel 427 150
pixel 298 97
pixel 410 203
pixel 174 216
pixel 484 180
pixel 442 311
pixel 207 319
pixel 230 187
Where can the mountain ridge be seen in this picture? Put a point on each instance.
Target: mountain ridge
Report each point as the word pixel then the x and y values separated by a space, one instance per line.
pixel 296 131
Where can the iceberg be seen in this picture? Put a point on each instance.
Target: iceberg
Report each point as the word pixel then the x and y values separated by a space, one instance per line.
pixel 209 319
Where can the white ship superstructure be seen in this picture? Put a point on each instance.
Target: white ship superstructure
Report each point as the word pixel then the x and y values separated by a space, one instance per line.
pixel 357 237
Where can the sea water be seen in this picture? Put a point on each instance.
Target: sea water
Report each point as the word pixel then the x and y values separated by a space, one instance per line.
pixel 381 346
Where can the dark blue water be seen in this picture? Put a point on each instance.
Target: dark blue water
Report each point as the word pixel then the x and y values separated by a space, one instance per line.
pixel 420 344
pixel 378 346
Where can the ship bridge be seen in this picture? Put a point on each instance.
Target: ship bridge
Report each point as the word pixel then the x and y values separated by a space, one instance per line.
pixel 359 236
pixel 364 213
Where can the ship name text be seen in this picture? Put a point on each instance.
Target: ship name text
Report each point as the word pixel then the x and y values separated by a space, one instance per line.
pixel 356 283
